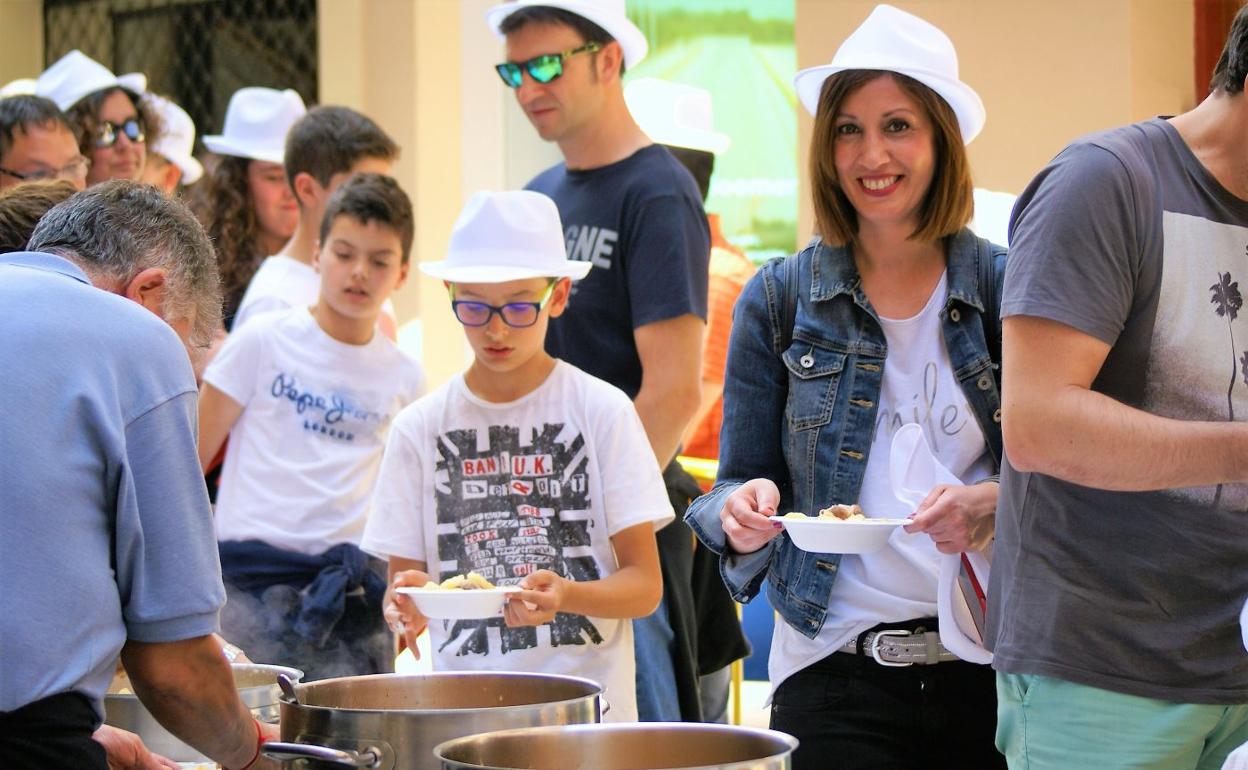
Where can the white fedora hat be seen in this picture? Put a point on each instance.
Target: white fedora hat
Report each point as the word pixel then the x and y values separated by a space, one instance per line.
pixel 608 14
pixel 76 75
pixel 506 236
pixel 893 40
pixel 19 87
pixel 176 140
pixel 256 124
pixel 675 114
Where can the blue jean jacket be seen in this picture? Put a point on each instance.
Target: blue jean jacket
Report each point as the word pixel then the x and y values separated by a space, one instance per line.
pixel 803 415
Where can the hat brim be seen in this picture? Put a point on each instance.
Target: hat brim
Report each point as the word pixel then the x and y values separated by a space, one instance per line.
pixel 220 145
pixel 502 273
pixel 966 104
pixel 693 139
pixel 192 169
pixel 630 38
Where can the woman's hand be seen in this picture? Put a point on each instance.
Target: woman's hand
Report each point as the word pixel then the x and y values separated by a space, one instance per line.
pixel 400 611
pixel 125 751
pixel 745 512
pixel 542 596
pixel 958 519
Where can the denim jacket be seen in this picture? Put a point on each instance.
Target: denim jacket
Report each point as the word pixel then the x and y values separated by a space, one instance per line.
pixel 803 415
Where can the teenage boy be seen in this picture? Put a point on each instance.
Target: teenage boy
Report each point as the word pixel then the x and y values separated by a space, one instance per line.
pixel 524 469
pixel 636 321
pixel 171 163
pixel 307 396
pixel 323 148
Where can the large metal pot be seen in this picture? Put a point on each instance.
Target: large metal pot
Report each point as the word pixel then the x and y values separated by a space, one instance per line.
pixel 257 687
pixel 392 721
pixel 630 746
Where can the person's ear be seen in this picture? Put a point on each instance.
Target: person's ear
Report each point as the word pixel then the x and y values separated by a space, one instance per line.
pixel 559 297
pixel 610 61
pixel 173 175
pixel 148 288
pixel 307 189
pixel 403 267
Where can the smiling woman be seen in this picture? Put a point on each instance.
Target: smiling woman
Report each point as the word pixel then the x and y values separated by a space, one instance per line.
pixel 882 321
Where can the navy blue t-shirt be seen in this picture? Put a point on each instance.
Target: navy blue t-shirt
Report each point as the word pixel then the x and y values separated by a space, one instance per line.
pixel 641 222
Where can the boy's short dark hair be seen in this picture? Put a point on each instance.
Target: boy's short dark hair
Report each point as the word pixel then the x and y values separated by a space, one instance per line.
pixel 23 205
pixel 26 111
pixel 372 198
pixel 544 14
pixel 330 140
pixel 1232 66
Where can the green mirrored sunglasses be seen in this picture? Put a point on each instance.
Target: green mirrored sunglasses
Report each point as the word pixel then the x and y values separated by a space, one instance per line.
pixel 543 69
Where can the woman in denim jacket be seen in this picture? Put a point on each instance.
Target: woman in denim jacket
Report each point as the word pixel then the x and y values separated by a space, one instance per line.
pixel 888 329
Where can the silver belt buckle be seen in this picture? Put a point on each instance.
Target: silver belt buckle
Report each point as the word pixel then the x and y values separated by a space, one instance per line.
pixel 875 647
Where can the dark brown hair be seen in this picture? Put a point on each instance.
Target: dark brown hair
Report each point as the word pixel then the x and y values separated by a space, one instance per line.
pixel 1232 66
pixel 26 111
pixel 330 140
pixel 22 206
pixel 372 198
pixel 83 117
pixel 222 202
pixel 949 202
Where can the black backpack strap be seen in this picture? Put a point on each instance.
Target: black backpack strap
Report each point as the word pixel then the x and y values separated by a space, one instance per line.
pixel 988 255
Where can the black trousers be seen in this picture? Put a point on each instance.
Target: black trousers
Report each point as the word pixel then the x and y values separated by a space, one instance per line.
pixel 51 732
pixel 851 713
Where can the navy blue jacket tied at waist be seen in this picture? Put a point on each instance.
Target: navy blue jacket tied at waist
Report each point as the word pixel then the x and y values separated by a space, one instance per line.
pixel 323 580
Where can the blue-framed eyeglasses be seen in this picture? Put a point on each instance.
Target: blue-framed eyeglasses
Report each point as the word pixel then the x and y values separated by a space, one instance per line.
pixel 544 68
pixel 515 314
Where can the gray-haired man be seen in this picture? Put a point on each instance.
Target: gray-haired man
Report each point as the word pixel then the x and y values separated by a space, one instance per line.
pixel 106 539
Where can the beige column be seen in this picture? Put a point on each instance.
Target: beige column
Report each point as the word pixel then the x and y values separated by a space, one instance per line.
pixel 398 61
pixel 21 39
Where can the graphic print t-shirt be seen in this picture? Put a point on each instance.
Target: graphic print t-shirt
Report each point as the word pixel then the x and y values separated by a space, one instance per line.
pixel 304 455
pixel 1126 237
pixel 506 489
pixel 640 221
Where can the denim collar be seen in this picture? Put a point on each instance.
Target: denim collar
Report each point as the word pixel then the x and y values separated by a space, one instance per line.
pixel 37 260
pixel 834 272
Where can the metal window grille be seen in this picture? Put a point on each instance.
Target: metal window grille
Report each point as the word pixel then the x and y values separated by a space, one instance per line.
pixel 196 52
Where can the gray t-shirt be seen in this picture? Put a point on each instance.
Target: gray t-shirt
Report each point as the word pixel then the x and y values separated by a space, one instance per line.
pixel 1127 237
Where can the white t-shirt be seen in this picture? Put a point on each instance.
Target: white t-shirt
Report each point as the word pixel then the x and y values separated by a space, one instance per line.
pixel 281 283
pixel 897 582
pixel 505 489
pixel 304 455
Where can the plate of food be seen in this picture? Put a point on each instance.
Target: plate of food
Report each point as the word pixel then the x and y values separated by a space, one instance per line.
pixel 838 529
pixel 461 597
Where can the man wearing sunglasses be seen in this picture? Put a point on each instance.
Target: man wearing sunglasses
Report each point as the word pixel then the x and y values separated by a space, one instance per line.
pixel 36 143
pixel 636 320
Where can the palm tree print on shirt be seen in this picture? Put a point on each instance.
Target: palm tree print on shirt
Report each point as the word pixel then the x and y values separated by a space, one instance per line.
pixel 1227 302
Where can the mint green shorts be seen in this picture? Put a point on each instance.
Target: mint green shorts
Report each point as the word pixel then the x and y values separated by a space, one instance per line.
pixel 1045 723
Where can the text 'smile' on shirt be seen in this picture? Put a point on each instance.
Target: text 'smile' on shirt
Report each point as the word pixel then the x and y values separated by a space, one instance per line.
pixel 640 222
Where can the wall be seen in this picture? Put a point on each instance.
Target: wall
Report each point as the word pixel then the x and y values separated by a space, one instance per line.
pixel 1047 72
pixel 21 39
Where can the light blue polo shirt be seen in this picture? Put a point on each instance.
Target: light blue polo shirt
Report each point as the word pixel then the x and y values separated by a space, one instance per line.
pixel 105 529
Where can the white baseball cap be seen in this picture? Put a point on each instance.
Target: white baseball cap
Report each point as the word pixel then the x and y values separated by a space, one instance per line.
pixel 256 124
pixel 675 114
pixel 76 75
pixel 893 40
pixel 608 14
pixel 506 236
pixel 176 140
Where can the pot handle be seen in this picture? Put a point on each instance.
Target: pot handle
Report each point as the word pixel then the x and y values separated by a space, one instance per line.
pixel 288 752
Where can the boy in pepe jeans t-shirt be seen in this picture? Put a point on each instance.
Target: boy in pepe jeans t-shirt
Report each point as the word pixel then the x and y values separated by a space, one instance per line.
pixel 525 470
pixel 307 396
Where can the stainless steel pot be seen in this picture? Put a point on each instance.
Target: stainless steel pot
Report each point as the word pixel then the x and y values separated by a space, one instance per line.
pixel 630 746
pixel 392 721
pixel 257 687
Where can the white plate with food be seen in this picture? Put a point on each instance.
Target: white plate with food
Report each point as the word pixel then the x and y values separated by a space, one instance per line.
pixel 462 597
pixel 838 529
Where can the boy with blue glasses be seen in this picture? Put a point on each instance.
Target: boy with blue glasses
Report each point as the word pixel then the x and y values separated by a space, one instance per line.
pixel 525 470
